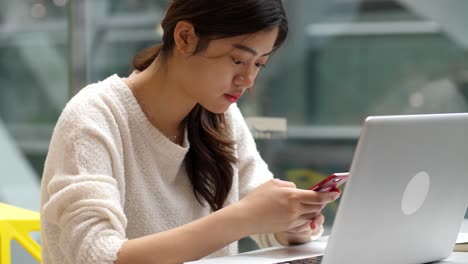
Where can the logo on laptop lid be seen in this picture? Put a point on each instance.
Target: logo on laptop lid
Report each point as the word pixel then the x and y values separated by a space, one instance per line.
pixel 415 193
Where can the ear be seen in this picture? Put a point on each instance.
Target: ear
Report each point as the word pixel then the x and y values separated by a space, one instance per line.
pixel 185 38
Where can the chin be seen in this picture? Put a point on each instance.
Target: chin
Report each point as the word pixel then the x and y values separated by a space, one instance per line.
pixel 219 109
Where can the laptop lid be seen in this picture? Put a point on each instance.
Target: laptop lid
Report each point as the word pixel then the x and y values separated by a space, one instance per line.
pixel 404 202
pixel 407 193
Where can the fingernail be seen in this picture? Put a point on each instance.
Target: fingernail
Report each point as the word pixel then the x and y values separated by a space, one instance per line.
pixel 312 225
pixel 335 195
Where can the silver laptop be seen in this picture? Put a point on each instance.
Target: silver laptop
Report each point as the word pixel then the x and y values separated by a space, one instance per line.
pixel 404 202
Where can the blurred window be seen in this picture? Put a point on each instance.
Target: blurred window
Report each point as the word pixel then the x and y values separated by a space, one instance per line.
pixel 33 72
pixel 344 60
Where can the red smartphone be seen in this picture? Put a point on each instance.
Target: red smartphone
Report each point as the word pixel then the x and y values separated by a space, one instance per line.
pixel 331 182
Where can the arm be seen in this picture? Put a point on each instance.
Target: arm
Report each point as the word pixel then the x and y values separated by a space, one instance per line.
pixel 276 202
pixel 191 241
pixel 83 196
pixel 252 172
pixel 83 184
pixel 92 224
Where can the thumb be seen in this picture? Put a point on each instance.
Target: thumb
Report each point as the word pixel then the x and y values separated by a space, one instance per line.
pixel 282 183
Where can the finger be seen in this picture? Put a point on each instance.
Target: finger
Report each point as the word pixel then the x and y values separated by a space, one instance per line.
pixel 301 228
pixel 309 216
pixel 313 197
pixel 312 208
pixel 338 190
pixel 282 183
pixel 317 221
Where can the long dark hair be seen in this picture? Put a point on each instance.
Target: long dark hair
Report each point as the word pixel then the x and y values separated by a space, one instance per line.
pixel 211 158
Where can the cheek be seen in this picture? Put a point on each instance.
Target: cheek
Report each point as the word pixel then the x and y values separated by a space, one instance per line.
pixel 207 87
pixel 213 77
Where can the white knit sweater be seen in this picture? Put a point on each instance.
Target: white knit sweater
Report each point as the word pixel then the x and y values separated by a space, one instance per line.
pixel 111 176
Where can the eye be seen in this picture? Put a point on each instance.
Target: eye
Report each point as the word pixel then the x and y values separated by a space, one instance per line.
pixel 260 65
pixel 236 61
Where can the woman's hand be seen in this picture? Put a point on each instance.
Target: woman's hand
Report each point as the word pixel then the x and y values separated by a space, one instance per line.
pixel 278 206
pixel 303 233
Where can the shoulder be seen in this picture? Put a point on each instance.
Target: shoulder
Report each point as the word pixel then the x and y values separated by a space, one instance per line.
pixel 95 97
pixel 96 105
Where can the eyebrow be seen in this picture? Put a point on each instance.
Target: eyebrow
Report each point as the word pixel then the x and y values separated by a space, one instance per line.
pixel 249 50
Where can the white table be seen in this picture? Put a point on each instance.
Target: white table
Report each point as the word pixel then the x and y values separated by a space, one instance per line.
pixel 268 255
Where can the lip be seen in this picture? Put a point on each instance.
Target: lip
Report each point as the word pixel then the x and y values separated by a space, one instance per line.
pixel 232 97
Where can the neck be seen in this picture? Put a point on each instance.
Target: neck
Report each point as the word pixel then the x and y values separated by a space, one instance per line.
pixel 162 99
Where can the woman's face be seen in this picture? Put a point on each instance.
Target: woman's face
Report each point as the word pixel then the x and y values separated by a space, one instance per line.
pixel 219 75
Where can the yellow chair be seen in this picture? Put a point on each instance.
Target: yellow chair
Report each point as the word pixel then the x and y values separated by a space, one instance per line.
pixel 17 223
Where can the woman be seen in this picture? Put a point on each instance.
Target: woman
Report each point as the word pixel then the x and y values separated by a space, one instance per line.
pixel 160 167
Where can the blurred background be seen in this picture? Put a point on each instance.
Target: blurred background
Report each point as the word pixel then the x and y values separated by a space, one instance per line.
pixel 344 60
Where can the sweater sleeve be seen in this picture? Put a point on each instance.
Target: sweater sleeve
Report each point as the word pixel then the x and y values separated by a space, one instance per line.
pixel 82 214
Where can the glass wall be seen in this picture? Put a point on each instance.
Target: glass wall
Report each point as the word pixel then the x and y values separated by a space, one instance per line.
pixel 344 60
pixel 33 91
pixel 33 72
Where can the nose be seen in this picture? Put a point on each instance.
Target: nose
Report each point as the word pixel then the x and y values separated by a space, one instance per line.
pixel 246 79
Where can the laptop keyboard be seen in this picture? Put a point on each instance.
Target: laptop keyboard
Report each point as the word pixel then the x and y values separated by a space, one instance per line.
pixel 309 260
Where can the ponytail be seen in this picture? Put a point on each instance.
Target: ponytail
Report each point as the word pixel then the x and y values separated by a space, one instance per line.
pixel 145 57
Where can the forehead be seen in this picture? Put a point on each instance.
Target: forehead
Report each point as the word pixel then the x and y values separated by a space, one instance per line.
pixel 261 42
